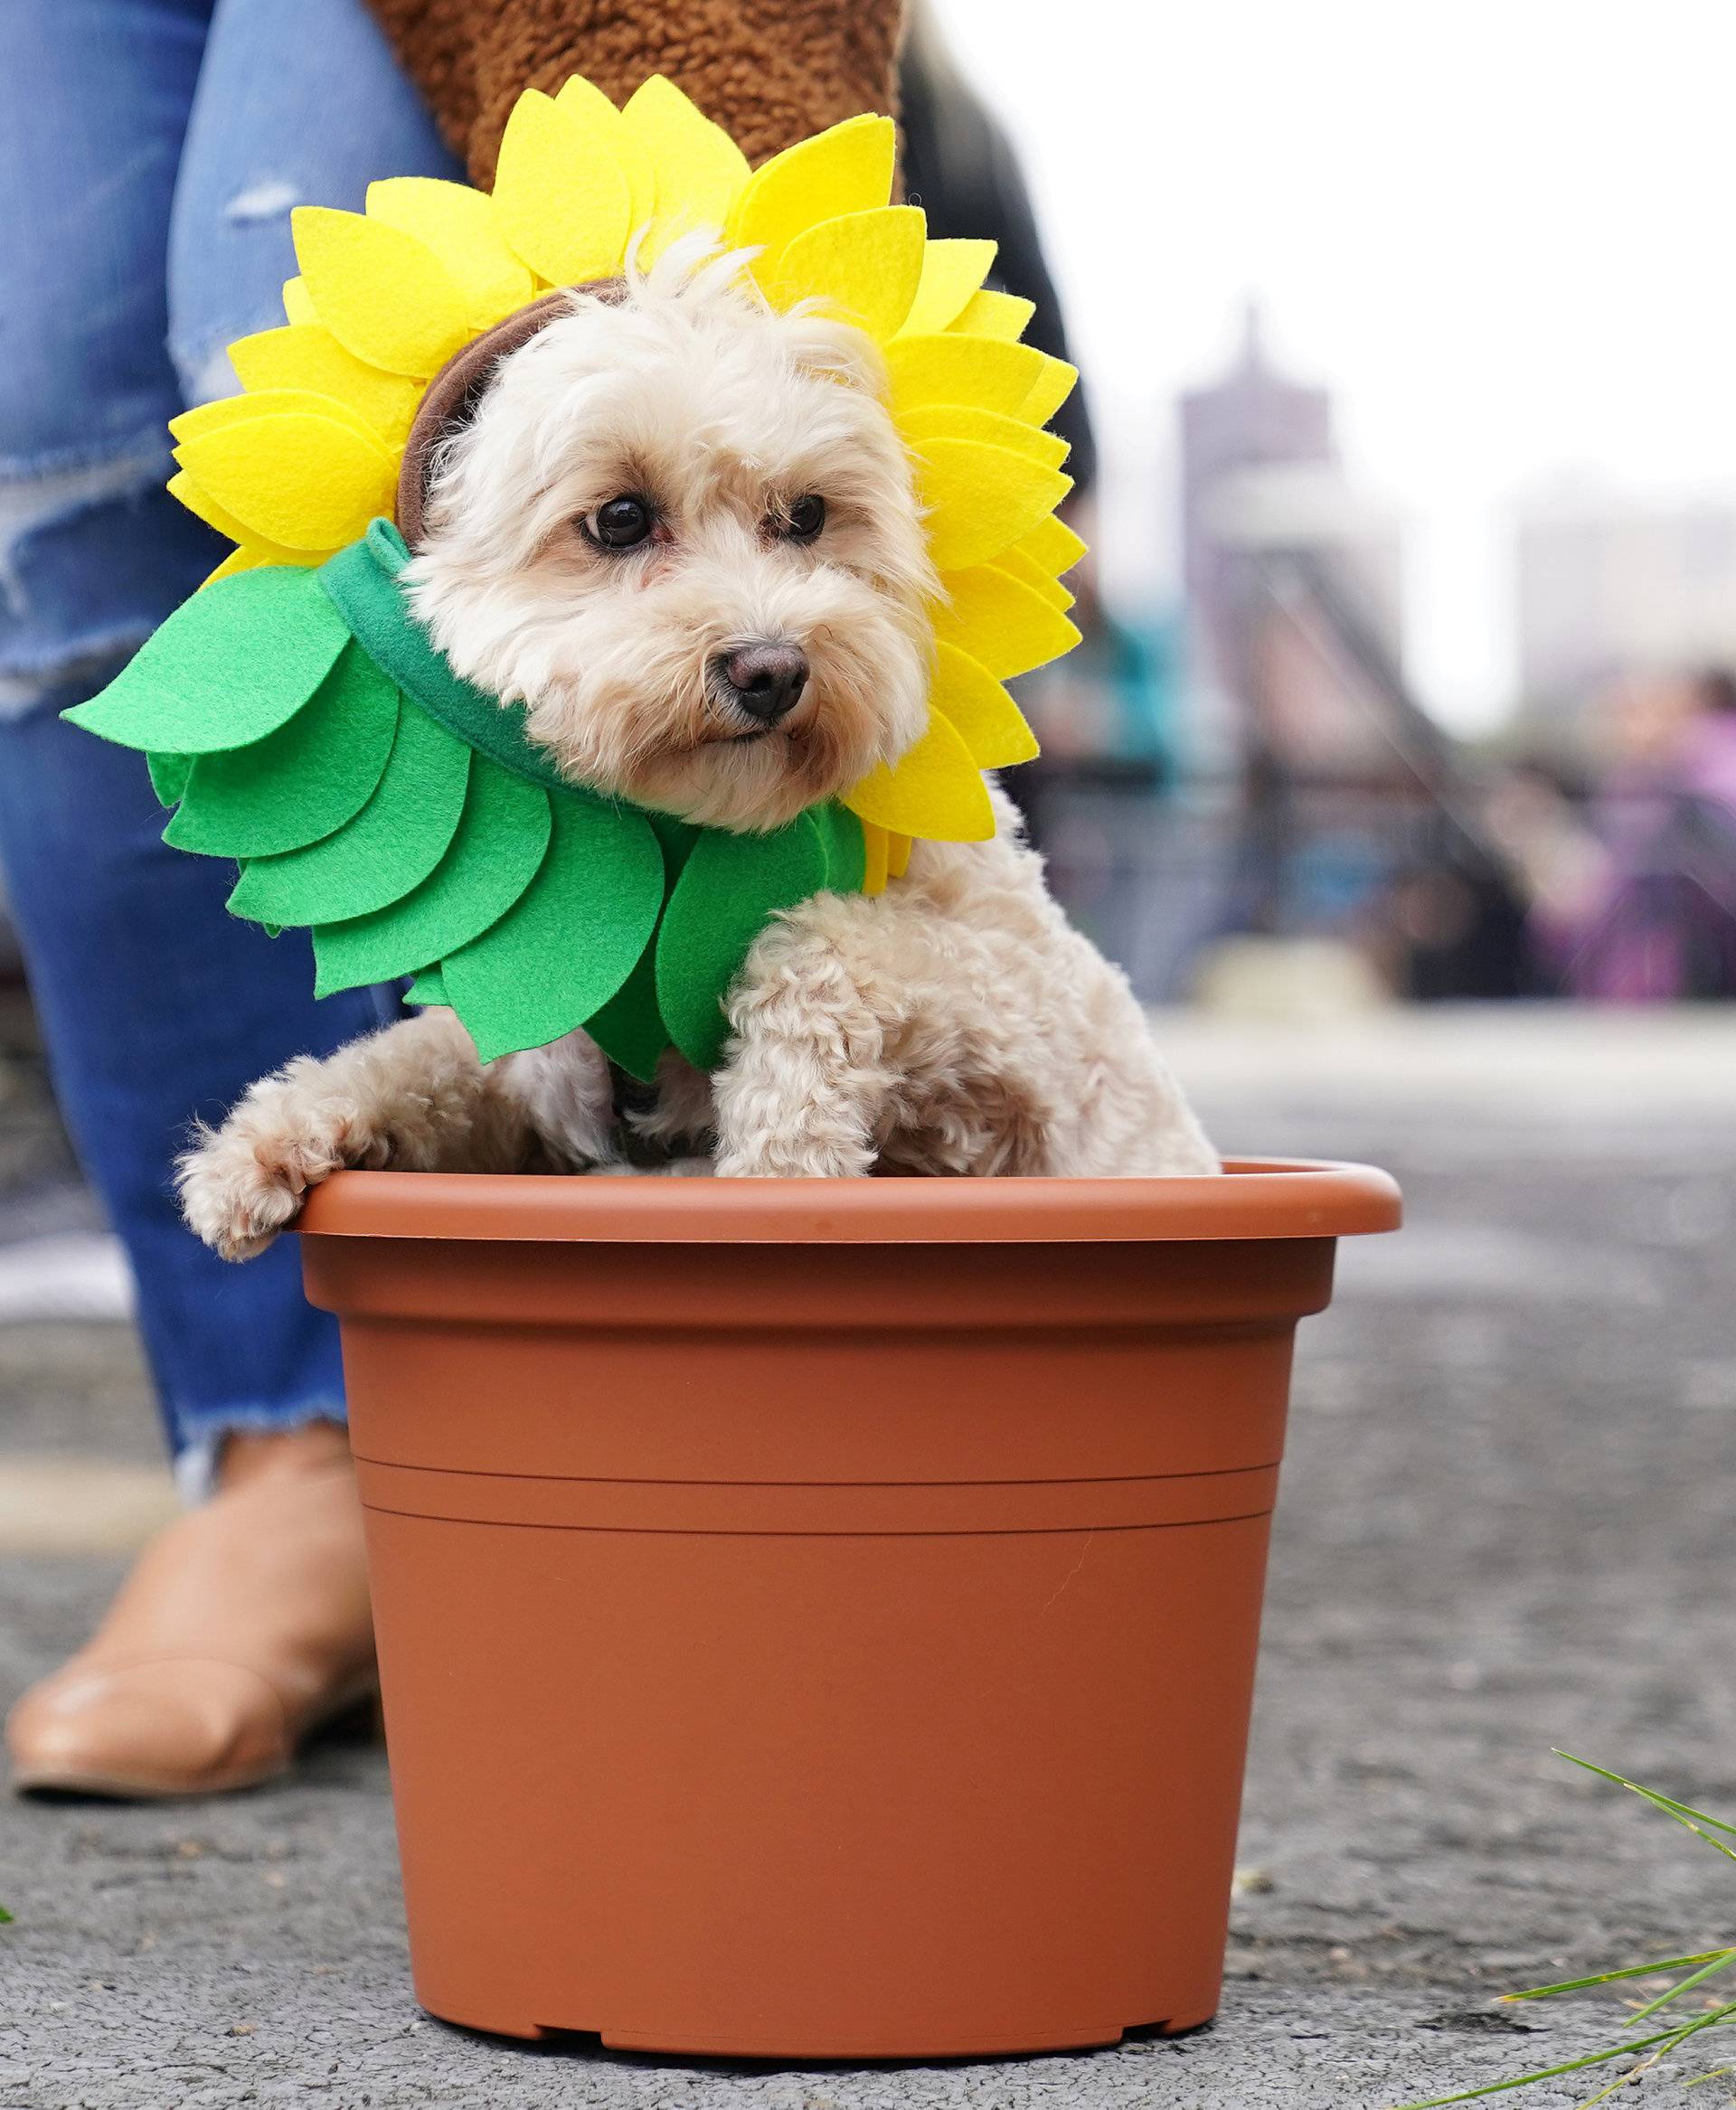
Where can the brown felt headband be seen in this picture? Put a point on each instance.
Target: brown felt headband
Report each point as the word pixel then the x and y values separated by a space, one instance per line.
pixel 452 396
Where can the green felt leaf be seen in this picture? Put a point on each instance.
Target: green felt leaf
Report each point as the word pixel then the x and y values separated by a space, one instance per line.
pixel 231 666
pixel 169 775
pixel 500 843
pixel 568 944
pixel 629 1028
pixel 730 887
pixel 301 783
pixel 390 846
pixel 429 987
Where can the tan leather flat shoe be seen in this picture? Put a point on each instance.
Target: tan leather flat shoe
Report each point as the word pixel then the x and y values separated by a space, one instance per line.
pixel 244 1626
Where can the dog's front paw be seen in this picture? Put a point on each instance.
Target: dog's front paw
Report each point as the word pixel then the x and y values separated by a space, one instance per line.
pixel 239 1189
pixel 236 1196
pixel 244 1182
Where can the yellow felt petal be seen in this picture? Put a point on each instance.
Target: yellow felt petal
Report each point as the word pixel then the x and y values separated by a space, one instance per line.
pixel 947 369
pixel 297 301
pixel 226 410
pixel 306 482
pixel 996 315
pixel 382 294
pixel 980 499
pixel 1052 545
pixel 874 844
pixel 898 855
pixel 989 721
pixel 459 226
pixel 1001 623
pixel 582 99
pixel 965 421
pixel 935 791
pixel 867 264
pixel 561 193
pixel 201 503
pixel 951 273
pixel 700 169
pixel 1049 390
pixel 1032 574
pixel 305 357
pixel 236 560
pixel 847 169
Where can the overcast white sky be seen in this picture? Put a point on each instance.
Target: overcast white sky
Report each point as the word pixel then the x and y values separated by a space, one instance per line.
pixel 1503 232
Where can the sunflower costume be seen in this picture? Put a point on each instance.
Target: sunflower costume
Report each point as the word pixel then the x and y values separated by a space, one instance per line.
pixel 299 720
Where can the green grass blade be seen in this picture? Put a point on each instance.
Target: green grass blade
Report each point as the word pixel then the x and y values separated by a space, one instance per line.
pixel 1622 2080
pixel 1678 1813
pixel 1663 2000
pixel 1650 1794
pixel 1705 1965
pixel 1706 2021
pixel 1688 1810
pixel 1555 2073
pixel 1629 1971
pixel 1719 2018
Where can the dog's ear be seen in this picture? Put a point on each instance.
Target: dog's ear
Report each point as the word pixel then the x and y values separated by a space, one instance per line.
pixel 456 391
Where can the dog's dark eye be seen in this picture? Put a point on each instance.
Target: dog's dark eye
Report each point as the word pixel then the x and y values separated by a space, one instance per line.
pixel 620 523
pixel 805 518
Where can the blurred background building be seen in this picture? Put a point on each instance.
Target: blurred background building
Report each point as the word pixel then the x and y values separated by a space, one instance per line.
pixel 1259 475
pixel 1293 825
pixel 1609 587
pixel 1244 799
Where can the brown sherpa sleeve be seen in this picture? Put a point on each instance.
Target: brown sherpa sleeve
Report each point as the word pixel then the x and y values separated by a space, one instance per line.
pixel 770 70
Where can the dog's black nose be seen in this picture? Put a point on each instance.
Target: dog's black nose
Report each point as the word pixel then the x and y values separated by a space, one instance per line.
pixel 765 680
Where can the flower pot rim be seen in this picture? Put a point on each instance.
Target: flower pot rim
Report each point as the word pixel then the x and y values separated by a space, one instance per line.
pixel 1259 1197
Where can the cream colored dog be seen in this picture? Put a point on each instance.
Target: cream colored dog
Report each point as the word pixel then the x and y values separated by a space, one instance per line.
pixel 680 530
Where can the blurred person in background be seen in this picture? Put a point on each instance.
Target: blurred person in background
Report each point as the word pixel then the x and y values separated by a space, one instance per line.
pixel 1635 901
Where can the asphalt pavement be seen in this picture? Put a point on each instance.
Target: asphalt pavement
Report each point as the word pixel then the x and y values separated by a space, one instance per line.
pixel 1506 1526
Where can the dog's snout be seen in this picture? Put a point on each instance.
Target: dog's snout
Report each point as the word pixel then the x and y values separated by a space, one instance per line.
pixel 765 680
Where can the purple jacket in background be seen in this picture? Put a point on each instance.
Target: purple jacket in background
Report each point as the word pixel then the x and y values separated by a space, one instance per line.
pixel 1661 926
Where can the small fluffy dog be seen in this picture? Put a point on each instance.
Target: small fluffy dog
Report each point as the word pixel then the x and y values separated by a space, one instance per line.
pixel 681 529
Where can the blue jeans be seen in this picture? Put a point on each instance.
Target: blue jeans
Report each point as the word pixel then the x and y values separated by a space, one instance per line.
pixel 150 151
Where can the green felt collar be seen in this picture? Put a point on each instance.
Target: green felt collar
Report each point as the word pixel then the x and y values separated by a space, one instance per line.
pixel 304 724
pixel 363 582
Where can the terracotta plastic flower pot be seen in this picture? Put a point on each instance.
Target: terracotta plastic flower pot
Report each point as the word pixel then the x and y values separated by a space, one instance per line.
pixel 818 1620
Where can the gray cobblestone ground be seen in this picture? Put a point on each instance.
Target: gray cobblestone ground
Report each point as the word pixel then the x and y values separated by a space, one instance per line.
pixel 1504 1526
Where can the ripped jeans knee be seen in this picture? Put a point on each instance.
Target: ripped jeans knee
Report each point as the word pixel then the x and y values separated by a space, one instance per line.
pixel 93 554
pixel 250 229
